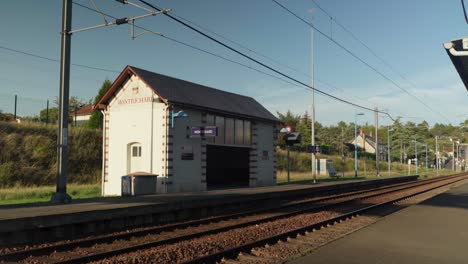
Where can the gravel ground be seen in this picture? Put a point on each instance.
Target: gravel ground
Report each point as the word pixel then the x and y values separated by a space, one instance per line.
pixel 187 250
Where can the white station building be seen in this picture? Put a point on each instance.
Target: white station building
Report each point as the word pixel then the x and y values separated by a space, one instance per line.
pixel 193 137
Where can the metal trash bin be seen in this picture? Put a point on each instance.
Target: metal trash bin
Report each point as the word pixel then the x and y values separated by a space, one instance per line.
pixel 139 183
pixel 126 186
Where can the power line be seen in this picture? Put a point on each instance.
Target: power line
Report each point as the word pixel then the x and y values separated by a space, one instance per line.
pixel 56 60
pixel 257 61
pixel 196 48
pixel 355 56
pixel 464 11
pixel 220 56
pixel 402 76
pixel 262 55
pixel 235 62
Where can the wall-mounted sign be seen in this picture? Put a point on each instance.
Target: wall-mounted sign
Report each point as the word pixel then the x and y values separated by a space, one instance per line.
pixel 187 153
pixel 208 131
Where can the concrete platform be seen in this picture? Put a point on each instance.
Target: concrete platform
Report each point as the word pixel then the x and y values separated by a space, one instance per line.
pixel 34 223
pixel 435 231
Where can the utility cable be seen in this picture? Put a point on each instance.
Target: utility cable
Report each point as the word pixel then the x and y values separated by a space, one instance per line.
pixel 374 53
pixel 258 62
pixel 355 56
pixel 464 10
pixel 56 60
pixel 263 55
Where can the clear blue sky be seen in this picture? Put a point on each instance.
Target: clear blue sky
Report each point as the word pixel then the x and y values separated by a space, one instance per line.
pixel 407 34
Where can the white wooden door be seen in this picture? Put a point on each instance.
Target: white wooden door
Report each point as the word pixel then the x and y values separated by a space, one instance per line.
pixel 135 158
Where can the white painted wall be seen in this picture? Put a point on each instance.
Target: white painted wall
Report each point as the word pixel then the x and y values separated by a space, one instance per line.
pixel 131 119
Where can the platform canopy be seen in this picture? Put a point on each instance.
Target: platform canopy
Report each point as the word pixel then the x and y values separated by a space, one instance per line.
pixel 458 53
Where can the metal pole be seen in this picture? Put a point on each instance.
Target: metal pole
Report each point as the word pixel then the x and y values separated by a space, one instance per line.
pixel 437 156
pixel 289 165
pixel 377 149
pixel 61 195
pixel 355 146
pixel 453 155
pixel 343 161
pixel 172 118
pixel 47 112
pixel 312 130
pixel 426 158
pixel 76 108
pixel 416 157
pixel 16 101
pixel 388 152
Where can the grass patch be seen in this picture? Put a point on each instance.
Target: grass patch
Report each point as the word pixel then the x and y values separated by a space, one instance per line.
pixel 303 177
pixel 17 195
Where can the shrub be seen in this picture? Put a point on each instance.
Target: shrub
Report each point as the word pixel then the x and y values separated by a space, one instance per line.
pixel 28 154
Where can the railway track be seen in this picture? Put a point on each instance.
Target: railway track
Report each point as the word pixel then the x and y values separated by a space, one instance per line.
pixel 341 206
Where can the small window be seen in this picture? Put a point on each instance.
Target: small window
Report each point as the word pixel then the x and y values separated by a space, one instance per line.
pixel 247 133
pixel 220 124
pixel 136 151
pixel 229 131
pixel 210 120
pixel 239 136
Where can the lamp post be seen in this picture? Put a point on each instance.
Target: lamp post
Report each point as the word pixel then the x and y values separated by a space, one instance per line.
pixel 426 157
pixel 355 144
pixel 416 154
pixel 388 151
pixel 437 155
pixel 176 115
pixel 454 140
pixel 284 131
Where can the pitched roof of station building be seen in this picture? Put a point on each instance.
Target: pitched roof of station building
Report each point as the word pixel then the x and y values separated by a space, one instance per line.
pixel 192 95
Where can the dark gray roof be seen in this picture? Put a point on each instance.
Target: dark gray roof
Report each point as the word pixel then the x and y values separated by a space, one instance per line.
pixel 460 62
pixel 371 141
pixel 180 92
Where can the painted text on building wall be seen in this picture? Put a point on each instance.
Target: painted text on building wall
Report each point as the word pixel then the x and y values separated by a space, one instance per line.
pixel 136 100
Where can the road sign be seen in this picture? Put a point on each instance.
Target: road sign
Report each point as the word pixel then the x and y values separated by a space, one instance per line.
pixel 314 149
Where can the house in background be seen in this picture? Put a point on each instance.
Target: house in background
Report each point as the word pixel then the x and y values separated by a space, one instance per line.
pixel 367 143
pixel 82 115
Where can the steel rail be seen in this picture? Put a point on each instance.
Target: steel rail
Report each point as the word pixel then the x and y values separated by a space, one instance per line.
pixel 18 255
pixel 102 255
pixel 233 252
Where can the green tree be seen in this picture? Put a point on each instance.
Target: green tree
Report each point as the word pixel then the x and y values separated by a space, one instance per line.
pixel 53 115
pixel 75 103
pixel 96 117
pixel 289 119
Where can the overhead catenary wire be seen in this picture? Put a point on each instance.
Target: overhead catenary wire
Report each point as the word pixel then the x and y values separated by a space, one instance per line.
pixel 298 83
pixel 250 50
pixel 356 57
pixel 56 60
pixel 259 62
pixel 380 58
pixel 197 48
pixel 464 10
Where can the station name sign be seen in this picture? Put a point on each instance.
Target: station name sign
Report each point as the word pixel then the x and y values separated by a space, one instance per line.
pixel 139 100
pixel 208 131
